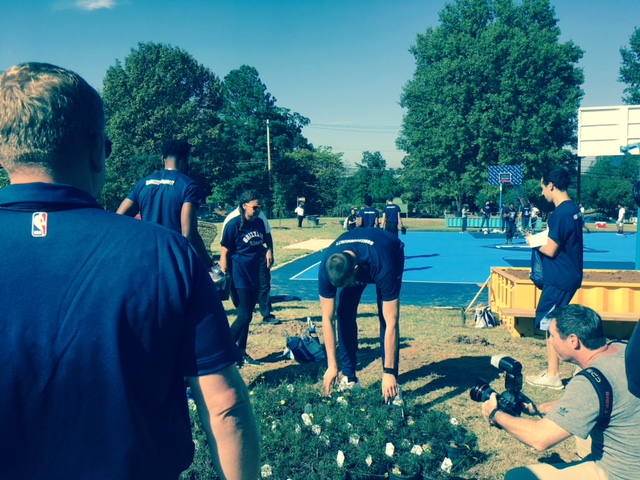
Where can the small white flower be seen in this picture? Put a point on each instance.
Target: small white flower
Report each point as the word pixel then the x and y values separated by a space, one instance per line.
pixel 454 421
pixel 342 401
pixel 266 471
pixel 325 439
pixel 306 419
pixel 369 460
pixel 405 444
pixel 389 449
pixel 316 429
pixel 196 444
pixel 298 429
pixel 274 425
pixel 390 425
pixel 290 388
pixel 354 439
pixel 417 449
pixel 192 405
pixel 340 458
pixel 328 420
pixel 410 421
pixel 349 426
pixel 447 464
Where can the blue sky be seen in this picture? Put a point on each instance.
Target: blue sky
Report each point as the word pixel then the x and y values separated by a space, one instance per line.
pixel 341 63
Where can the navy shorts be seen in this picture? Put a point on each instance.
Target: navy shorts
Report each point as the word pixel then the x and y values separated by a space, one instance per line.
pixel 550 299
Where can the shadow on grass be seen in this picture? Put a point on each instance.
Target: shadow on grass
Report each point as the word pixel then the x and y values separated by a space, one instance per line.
pixel 457 374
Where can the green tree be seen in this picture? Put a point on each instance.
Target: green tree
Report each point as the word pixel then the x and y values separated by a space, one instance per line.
pixel 630 69
pixel 247 105
pixel 4 178
pixel 159 93
pixel 307 173
pixel 493 85
pixel 372 177
pixel 609 182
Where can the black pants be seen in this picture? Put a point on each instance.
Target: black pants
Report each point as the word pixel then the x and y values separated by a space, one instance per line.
pixel 264 296
pixel 511 230
pixel 486 220
pixel 300 221
pixel 391 227
pixel 240 328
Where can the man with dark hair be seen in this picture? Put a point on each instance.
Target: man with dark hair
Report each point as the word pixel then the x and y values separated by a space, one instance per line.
pixel 561 265
pixel 510 222
pixel 170 198
pixel 577 335
pixel 94 354
pixel 391 217
pixel 368 216
pixel 355 259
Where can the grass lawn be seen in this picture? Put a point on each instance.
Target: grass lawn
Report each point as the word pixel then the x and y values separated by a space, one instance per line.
pixel 440 357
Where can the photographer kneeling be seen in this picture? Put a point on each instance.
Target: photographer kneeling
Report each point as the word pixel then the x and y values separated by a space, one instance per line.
pixel 577 334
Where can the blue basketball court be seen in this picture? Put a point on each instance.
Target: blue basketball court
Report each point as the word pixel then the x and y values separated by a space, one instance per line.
pixel 446 268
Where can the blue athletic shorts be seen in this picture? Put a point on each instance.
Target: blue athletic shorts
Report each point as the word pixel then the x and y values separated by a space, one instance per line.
pixel 550 299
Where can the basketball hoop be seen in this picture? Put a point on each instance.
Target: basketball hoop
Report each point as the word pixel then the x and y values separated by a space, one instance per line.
pixel 505 178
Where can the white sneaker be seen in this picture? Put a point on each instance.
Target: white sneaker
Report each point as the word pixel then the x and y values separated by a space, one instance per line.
pixel 545 380
pixel 345 385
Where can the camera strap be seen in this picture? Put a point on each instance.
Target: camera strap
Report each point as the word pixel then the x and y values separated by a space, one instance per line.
pixel 605 394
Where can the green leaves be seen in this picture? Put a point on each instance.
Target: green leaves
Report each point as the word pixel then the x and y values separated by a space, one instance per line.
pixel 493 85
pixel 630 69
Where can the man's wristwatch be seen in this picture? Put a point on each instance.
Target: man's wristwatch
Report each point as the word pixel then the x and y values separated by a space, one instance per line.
pixel 390 371
pixel 492 418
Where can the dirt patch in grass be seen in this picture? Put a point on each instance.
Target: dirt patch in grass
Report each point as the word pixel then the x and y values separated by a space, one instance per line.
pixel 604 276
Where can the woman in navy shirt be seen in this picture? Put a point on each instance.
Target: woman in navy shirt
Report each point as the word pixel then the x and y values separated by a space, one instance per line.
pixel 242 248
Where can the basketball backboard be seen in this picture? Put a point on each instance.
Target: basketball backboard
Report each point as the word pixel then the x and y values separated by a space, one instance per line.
pixel 603 131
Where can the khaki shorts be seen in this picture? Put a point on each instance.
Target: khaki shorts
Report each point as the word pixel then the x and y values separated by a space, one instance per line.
pixel 584 470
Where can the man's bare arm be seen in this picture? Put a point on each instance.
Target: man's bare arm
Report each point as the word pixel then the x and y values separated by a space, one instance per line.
pixel 129 208
pixel 328 306
pixel 189 225
pixel 227 417
pixel 391 313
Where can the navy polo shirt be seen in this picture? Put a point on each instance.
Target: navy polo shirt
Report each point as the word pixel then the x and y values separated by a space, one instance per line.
pixel 391 213
pixel 486 210
pixel 160 197
pixel 564 271
pixel 369 216
pixel 246 247
pixel 102 318
pixel 380 257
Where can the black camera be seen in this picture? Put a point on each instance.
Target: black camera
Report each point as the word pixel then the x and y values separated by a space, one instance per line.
pixel 512 401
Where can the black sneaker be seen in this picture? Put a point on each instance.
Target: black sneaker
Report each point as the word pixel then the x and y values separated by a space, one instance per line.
pixel 271 321
pixel 247 360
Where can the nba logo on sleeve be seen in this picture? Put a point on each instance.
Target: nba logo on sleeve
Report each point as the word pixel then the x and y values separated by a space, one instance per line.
pixel 39 224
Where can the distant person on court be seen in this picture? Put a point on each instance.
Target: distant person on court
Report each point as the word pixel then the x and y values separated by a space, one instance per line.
pixel 562 265
pixel 620 222
pixel 510 222
pixel 525 217
pixel 391 217
pixel 99 336
pixel 503 211
pixel 369 216
pixel 242 250
pixel 170 198
pixel 266 262
pixel 535 214
pixel 486 217
pixel 584 224
pixel 351 221
pixel 357 258
pixel 300 213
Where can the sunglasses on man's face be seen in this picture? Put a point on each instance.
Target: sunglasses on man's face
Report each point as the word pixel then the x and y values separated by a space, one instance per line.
pixel 255 207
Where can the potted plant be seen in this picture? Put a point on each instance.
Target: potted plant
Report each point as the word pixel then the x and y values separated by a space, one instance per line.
pixel 406 466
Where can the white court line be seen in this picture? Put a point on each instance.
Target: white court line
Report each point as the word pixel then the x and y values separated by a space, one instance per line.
pixel 305 270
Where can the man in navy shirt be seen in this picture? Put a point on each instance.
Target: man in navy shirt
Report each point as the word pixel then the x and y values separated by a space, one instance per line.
pixel 98 336
pixel 561 265
pixel 355 259
pixel 368 216
pixel 170 198
pixel 391 217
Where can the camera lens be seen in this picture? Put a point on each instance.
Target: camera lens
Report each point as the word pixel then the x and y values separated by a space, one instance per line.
pixel 481 391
